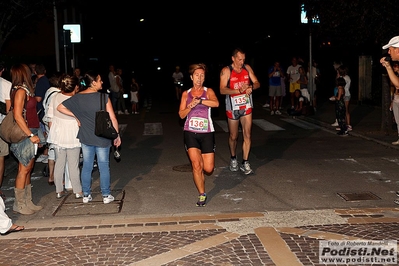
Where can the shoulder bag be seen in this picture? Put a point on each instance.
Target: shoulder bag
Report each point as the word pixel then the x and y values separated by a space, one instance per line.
pixel 103 123
pixel 9 129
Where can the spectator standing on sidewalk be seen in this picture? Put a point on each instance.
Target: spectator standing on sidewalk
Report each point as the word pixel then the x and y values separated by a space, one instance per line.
pixel 62 136
pixel 276 75
pixel 121 105
pixel 199 133
pixel 395 100
pixel 6 225
pixel 336 65
pixel 340 110
pixel 237 82
pixel 41 87
pixel 342 71
pixel 51 92
pixel 303 83
pixel 316 80
pixel 134 96
pixel 22 97
pixel 5 88
pixel 83 106
pixel 114 89
pixel 393 51
pixel 293 76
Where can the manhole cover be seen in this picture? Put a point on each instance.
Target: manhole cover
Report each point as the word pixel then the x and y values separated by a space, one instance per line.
pixel 356 196
pixel 182 168
pixel 69 206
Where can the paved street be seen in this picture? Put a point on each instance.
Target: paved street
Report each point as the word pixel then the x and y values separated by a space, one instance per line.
pixel 309 185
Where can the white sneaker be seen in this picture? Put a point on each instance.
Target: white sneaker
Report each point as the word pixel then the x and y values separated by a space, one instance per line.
pixel 396 143
pixel 233 165
pixel 108 199
pixel 272 113
pixel 278 112
pixel 120 112
pixel 42 159
pixel 266 105
pixel 86 199
pixel 335 124
pixel 246 168
pixel 126 112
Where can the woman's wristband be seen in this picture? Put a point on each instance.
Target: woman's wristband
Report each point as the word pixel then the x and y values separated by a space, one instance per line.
pixel 200 102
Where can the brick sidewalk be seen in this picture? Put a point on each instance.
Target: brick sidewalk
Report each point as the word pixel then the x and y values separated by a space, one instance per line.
pixel 193 240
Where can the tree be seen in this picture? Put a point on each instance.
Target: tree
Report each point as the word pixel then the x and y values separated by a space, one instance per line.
pixel 364 24
pixel 17 17
pixel 356 22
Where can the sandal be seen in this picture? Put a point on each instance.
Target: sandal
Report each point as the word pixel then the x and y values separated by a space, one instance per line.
pixel 14 228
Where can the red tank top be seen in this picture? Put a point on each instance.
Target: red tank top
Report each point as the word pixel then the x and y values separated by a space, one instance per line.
pixel 238 79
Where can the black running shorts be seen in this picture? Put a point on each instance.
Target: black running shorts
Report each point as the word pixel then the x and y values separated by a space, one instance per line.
pixel 203 141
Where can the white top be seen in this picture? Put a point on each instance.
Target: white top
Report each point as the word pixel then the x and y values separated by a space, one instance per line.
pixel 177 77
pixel 293 71
pixel 46 103
pixel 64 128
pixel 5 88
pixel 348 85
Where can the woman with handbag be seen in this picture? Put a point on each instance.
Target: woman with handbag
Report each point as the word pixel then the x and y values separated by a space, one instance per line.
pixel 24 105
pixel 83 106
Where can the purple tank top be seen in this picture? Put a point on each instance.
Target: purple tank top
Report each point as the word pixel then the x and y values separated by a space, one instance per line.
pixel 199 118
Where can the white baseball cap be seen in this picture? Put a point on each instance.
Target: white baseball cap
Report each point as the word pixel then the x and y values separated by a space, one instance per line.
pixel 394 42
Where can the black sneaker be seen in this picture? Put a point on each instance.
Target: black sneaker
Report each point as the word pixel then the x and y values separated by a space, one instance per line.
pixel 201 200
pixel 343 133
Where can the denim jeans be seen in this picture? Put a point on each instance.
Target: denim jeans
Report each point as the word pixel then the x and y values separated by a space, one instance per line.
pixel 114 100
pixel 24 151
pixel 102 153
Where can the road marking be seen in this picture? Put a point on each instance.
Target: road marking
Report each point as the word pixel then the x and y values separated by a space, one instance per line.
pixel 152 129
pixel 301 123
pixel 266 125
pixel 222 124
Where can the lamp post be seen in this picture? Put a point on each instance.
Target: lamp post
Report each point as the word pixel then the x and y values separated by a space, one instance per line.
pixel 309 20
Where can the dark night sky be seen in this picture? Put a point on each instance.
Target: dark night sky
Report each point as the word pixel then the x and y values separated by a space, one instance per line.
pixel 189 33
pixel 194 33
pixel 200 32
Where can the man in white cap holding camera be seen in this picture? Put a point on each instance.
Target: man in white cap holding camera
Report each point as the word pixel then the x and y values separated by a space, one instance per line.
pixel 393 51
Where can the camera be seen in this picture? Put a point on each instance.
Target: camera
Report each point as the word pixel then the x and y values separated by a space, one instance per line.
pixel 117 155
pixel 387 58
pixel 125 96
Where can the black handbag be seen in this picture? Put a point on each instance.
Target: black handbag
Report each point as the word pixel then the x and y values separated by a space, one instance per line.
pixel 103 123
